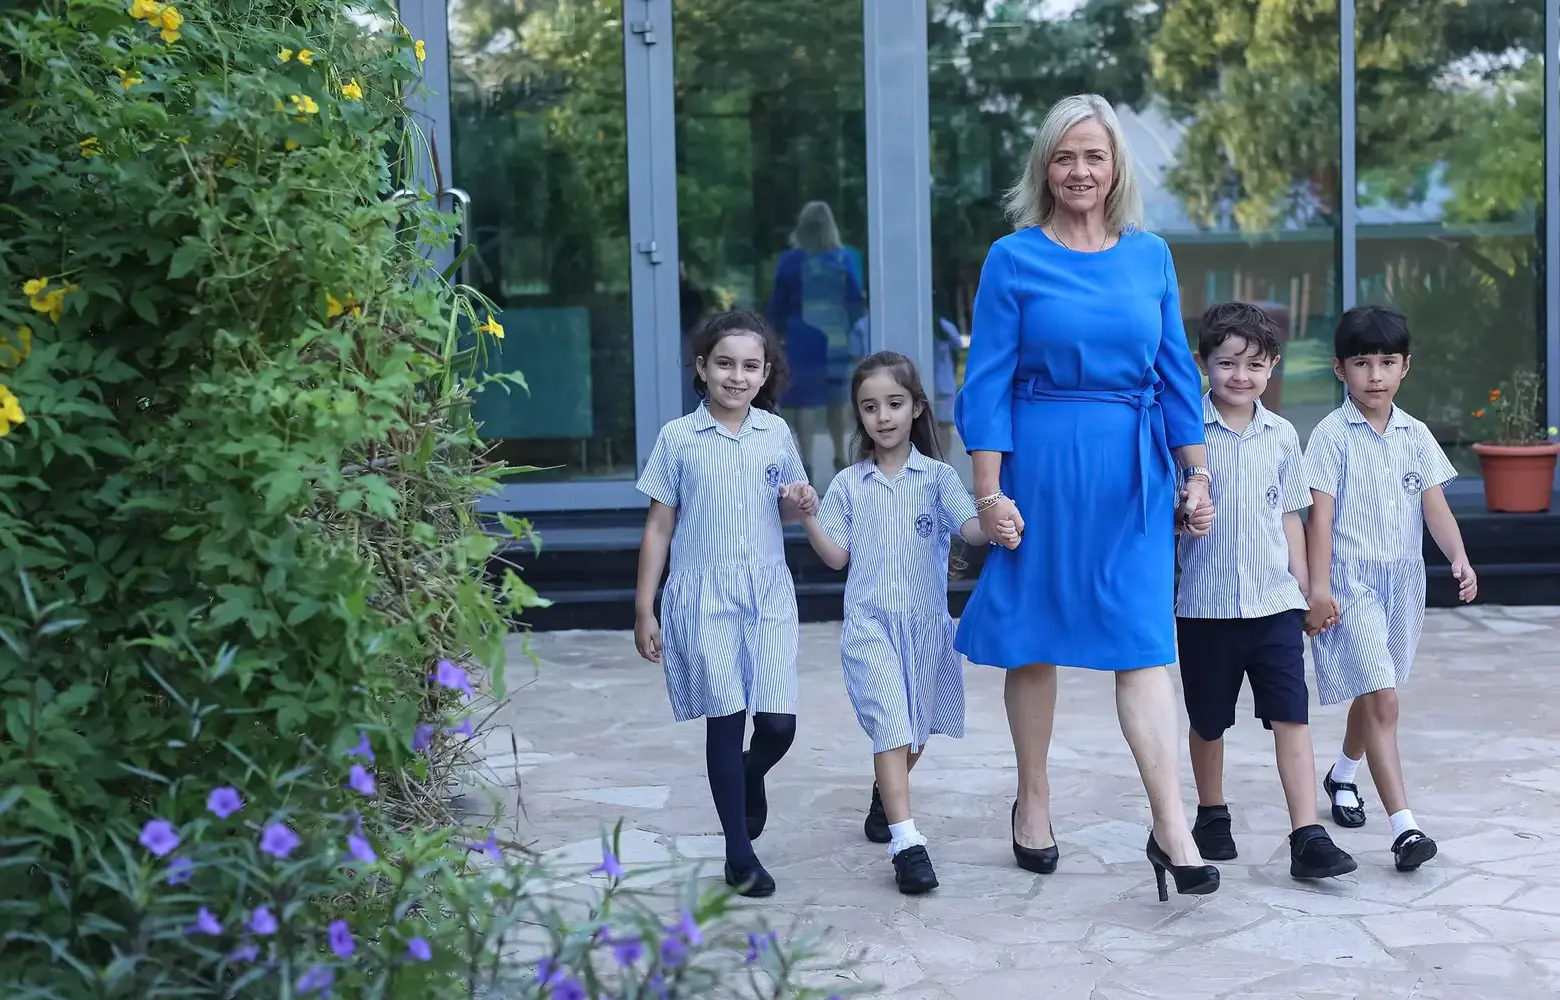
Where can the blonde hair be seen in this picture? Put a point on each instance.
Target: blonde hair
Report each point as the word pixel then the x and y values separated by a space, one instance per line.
pixel 1030 202
pixel 815 229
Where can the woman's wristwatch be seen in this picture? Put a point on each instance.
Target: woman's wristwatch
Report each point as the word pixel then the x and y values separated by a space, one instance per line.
pixel 1196 471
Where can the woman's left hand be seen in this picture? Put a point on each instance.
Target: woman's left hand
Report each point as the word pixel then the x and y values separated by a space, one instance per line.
pixel 1196 514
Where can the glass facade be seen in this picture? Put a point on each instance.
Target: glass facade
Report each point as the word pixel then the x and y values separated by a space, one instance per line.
pixel 632 164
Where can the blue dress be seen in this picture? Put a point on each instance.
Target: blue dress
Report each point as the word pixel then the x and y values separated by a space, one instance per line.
pixel 1079 373
pixel 816 306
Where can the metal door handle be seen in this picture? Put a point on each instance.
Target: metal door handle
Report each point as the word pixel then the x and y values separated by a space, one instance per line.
pixel 462 202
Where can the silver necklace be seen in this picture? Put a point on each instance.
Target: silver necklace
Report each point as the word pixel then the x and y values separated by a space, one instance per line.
pixel 1056 235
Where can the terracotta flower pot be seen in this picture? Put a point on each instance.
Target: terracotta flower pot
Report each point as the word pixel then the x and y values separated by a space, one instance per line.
pixel 1518 478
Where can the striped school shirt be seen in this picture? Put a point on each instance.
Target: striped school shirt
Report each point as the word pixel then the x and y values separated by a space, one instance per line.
pixel 898 531
pixel 724 486
pixel 1377 482
pixel 1241 569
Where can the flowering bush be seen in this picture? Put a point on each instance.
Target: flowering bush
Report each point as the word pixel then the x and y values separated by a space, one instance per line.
pixel 1515 411
pixel 238 565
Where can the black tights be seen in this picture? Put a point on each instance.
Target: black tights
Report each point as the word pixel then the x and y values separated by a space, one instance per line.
pixel 772 736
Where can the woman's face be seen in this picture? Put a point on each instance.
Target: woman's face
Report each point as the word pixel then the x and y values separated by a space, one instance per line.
pixel 1082 169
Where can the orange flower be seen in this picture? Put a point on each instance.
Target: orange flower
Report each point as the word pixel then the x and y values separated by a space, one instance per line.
pixel 1494 395
pixel 1478 413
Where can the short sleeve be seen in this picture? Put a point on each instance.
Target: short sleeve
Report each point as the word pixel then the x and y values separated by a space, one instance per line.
pixel 956 503
pixel 1324 460
pixel 834 510
pixel 983 410
pixel 1438 468
pixel 1292 483
pixel 1181 401
pixel 662 478
pixel 791 468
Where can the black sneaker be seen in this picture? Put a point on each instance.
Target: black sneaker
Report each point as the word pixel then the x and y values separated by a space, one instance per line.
pixel 754 883
pixel 876 826
pixel 1212 833
pixel 1312 854
pixel 913 871
pixel 1350 817
pixel 1412 850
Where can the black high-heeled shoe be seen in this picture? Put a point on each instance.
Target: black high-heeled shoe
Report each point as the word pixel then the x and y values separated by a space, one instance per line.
pixel 1040 860
pixel 1190 880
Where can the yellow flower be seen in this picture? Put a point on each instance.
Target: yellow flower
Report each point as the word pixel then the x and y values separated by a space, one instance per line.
pixel 145 10
pixel 335 307
pixel 291 144
pixel 51 303
pixel 11 414
pixel 171 19
pixel 128 80
pixel 419 50
pixel 34 286
pixel 1554 431
pixel 169 35
pixel 305 104
pixel 89 146
pixel 306 56
pixel 285 55
pixel 18 352
pixel 493 327
pixel 351 91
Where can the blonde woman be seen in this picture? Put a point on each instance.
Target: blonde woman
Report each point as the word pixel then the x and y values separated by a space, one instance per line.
pixel 1082 412
pixel 818 308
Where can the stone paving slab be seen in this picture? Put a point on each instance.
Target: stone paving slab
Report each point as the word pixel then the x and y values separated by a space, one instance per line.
pixel 587 738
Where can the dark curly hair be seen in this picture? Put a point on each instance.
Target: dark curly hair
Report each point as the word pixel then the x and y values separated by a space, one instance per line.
pixel 923 432
pixel 716 327
pixel 1251 323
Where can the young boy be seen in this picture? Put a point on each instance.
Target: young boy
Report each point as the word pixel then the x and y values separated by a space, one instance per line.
pixel 1240 608
pixel 1376 476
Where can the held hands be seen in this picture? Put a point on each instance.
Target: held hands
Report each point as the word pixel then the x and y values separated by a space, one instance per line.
pixel 647 637
pixel 800 497
pixel 1195 515
pixel 1323 614
pixel 1467 582
pixel 1003 524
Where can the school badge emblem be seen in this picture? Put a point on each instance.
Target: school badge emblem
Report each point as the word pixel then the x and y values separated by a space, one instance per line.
pixel 772 476
pixel 923 525
pixel 1412 483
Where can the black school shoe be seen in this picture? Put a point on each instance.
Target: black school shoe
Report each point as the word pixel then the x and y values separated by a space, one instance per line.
pixel 876 826
pixel 1411 850
pixel 754 883
pixel 1349 817
pixel 1212 833
pixel 913 871
pixel 1312 854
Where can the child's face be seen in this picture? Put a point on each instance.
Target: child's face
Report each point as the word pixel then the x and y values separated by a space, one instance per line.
pixel 734 370
pixel 886 410
pixel 1373 379
pixel 1237 374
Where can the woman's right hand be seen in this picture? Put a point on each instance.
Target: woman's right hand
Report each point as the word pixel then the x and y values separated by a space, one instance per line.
pixel 647 637
pixel 991 522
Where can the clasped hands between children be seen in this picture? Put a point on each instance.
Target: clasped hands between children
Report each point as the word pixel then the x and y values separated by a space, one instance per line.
pixel 801 497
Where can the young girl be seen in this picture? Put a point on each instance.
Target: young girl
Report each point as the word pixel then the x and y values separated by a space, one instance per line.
pixel 718 481
pixel 891 516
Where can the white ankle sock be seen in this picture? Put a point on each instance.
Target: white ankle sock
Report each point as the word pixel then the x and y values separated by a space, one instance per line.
pixel 904 835
pixel 1343 772
pixel 1402 821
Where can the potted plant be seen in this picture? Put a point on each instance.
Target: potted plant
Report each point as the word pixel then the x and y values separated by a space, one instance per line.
pixel 1519 460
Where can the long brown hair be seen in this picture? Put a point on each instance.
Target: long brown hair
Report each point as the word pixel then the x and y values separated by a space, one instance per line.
pixel 923 431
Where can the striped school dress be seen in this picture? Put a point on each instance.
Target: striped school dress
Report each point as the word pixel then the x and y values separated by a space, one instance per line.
pixel 728 610
pixel 904 678
pixel 1377 481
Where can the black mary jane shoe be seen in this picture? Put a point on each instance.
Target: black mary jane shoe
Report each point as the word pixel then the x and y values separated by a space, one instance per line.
pixel 876 826
pixel 1212 833
pixel 754 883
pixel 1349 817
pixel 1040 860
pixel 1190 880
pixel 1313 855
pixel 913 871
pixel 757 803
pixel 1411 850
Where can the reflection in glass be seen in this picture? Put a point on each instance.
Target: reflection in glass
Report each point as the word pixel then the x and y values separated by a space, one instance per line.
pixel 537 124
pixel 771 192
pixel 1450 148
pixel 1235 132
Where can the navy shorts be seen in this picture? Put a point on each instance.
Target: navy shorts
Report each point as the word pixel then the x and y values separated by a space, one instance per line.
pixel 1217 653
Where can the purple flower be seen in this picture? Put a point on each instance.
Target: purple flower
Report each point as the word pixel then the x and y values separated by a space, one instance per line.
pixel 656 985
pixel 419 949
pixel 464 729
pixel 547 973
pixel 363 749
pixel 262 921
pixel 758 944
pixel 341 939
pixel 489 847
pixel 224 802
pixel 159 837
pixel 318 977
pixel 569 989
pixel 448 675
pixel 278 840
pixel 206 922
pixel 609 865
pixel 673 952
pixel 422 739
pixel 180 871
pixel 360 849
pixel 627 951
pixel 244 953
pixel 688 928
pixel 361 781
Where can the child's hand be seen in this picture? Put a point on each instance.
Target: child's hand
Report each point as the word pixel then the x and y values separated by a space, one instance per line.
pixel 1196 513
pixel 1467 582
pixel 1323 614
pixel 802 496
pixel 1008 533
pixel 647 637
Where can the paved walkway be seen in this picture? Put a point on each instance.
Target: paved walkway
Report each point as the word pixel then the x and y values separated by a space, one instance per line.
pixel 1481 738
